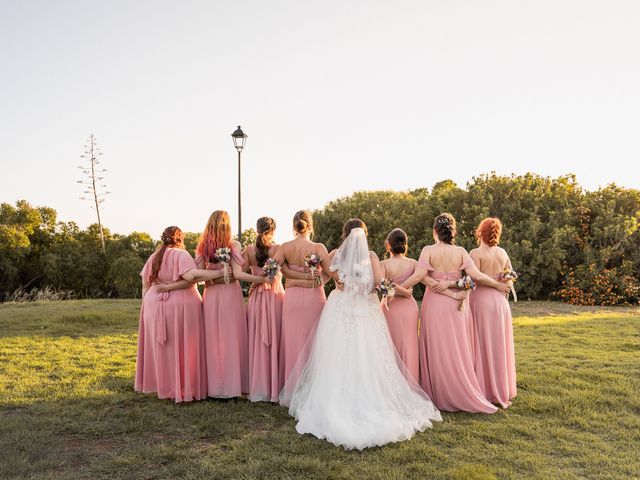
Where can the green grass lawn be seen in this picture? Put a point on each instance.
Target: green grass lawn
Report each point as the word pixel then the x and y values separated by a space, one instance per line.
pixel 68 410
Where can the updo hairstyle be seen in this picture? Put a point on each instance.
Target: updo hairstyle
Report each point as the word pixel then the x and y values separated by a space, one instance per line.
pixel 445 228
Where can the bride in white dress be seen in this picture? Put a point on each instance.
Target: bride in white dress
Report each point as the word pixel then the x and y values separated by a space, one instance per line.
pixel 354 390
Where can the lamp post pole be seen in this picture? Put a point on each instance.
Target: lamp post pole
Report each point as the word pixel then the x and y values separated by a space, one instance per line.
pixel 239 198
pixel 239 138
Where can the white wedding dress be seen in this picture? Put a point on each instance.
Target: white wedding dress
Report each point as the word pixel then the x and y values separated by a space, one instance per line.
pixel 354 390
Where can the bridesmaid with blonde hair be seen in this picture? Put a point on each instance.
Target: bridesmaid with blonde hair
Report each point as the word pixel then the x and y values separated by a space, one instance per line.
pixel 494 354
pixel 171 350
pixel 304 295
pixel 225 318
pixel 446 332
pixel 264 314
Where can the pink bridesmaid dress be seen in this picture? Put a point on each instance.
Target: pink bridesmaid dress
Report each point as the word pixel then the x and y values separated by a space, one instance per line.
pixel 446 344
pixel 495 362
pixel 171 354
pixel 226 337
pixel 402 320
pixel 264 314
pixel 301 311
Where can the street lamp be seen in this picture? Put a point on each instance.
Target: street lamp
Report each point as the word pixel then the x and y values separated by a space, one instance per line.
pixel 239 138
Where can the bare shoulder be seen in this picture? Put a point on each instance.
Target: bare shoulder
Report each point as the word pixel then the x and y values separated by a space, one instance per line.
pixel 273 249
pixel 461 249
pixel 476 253
pixel 425 253
pixel 373 255
pixel 236 244
pixel 321 246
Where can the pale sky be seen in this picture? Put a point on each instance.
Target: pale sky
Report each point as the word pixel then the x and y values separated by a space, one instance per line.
pixel 336 96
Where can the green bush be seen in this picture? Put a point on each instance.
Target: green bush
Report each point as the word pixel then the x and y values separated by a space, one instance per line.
pixel 565 242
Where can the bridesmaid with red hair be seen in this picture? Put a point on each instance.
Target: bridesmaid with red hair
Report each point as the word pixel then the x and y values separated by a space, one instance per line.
pixel 494 355
pixel 171 353
pixel 225 318
pixel 264 314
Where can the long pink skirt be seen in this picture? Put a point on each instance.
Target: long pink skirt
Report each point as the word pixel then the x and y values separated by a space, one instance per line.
pixel 301 311
pixel 264 314
pixel 446 361
pixel 171 353
pixel 495 361
pixel 226 338
pixel 402 320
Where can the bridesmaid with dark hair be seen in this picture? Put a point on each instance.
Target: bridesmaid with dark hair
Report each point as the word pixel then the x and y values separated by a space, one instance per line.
pixel 446 332
pixel 264 315
pixel 494 354
pixel 304 295
pixel 171 353
pixel 402 312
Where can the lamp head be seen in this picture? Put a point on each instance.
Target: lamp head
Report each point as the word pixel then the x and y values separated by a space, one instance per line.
pixel 239 138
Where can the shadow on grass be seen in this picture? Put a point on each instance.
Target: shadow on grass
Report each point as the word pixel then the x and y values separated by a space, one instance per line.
pixel 132 436
pixel 576 415
pixel 122 433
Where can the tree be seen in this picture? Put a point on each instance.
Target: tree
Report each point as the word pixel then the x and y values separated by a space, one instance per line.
pixel 582 247
pixel 92 182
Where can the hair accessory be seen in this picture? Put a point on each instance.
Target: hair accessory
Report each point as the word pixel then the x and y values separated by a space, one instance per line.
pixel 443 220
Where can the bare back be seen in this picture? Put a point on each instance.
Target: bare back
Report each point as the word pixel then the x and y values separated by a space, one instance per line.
pixel 444 257
pixel 295 251
pixel 397 266
pixel 490 260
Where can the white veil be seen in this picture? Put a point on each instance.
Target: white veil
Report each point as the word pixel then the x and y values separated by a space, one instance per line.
pixel 348 384
pixel 353 264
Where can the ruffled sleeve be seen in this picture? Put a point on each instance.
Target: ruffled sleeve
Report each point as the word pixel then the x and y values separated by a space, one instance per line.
pixel 426 265
pixel 184 263
pixel 237 256
pixel 146 270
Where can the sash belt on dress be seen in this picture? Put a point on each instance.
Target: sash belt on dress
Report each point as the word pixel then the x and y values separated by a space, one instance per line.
pixel 263 325
pixel 161 322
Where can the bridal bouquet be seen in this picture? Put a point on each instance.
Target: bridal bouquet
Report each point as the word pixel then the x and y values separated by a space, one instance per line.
pixel 465 283
pixel 312 261
pixel 509 275
pixel 386 289
pixel 223 256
